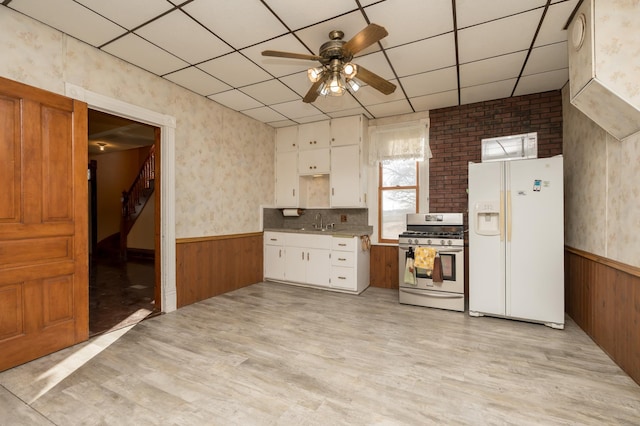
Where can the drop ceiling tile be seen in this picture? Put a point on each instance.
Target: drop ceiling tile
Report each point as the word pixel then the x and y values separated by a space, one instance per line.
pixel 351 24
pixel 240 23
pixel 499 37
pixel 430 82
pixel 312 119
pixel 473 12
pixel 280 66
pixel 435 101
pixel 350 113
pixel 270 92
pixel 301 14
pixel 422 56
pixel 235 100
pixel 329 104
pixel 281 123
pixel 487 92
pixel 296 109
pixel 197 81
pixel 492 69
pixel 86 25
pixel 127 13
pixel 376 63
pixel 410 20
pixel 140 52
pixel 298 82
pixel 187 39
pixel 390 108
pixel 556 18
pixel 543 82
pixel 264 114
pixel 547 58
pixel 235 70
pixel 367 95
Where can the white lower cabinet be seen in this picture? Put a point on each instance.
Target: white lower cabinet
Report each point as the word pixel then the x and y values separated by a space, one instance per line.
pixel 332 262
pixel 349 264
pixel 274 255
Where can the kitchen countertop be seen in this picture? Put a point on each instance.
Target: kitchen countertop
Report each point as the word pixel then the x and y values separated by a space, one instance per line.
pixel 358 231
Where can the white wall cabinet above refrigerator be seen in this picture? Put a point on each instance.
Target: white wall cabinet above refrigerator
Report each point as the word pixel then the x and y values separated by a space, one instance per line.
pixel 314 135
pixel 516 240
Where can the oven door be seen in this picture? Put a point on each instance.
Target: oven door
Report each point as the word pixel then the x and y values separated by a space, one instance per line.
pixel 452 259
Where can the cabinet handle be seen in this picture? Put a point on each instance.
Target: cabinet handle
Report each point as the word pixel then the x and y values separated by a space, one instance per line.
pixel 332 191
pixel 273 239
pixel 280 253
pixel 307 256
pixel 342 278
pixel 342 244
pixel 342 259
pixel 302 255
pixel 293 192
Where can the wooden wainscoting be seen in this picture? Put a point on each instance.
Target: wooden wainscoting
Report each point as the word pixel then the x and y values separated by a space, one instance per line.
pixel 603 298
pixel 207 267
pixel 383 270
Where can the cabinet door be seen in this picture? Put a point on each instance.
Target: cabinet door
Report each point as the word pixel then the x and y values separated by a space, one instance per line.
pixel 314 162
pixel 274 262
pixel 345 177
pixel 287 139
pixel 296 264
pixel 346 130
pixel 318 267
pixel 314 135
pixel 287 179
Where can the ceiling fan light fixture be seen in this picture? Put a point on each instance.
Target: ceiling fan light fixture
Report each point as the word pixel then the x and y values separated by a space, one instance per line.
pixel 102 145
pixel 350 70
pixel 315 74
pixel 336 85
pixel 353 84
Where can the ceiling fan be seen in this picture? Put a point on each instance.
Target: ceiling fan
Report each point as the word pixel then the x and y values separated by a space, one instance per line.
pixel 336 71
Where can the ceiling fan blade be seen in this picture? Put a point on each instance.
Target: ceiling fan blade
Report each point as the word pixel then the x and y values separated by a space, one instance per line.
pixel 279 54
pixel 372 33
pixel 312 94
pixel 375 81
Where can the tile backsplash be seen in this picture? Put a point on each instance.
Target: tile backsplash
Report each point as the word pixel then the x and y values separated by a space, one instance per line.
pixel 273 218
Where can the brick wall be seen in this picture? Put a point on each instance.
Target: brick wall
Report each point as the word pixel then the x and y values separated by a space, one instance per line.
pixel 456 132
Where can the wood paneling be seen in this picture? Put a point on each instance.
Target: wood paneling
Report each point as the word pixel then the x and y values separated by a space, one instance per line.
pixel 207 267
pixel 383 269
pixel 603 298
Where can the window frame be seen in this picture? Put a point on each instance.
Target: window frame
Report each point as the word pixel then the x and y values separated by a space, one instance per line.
pixel 381 189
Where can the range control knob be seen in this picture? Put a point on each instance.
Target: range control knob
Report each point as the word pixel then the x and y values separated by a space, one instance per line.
pixel 442 242
pixel 429 242
pixel 449 242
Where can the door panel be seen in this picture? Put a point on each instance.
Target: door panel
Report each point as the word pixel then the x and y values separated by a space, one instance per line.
pixel 43 223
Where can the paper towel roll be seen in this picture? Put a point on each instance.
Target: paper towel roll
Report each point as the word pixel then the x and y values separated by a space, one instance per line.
pixel 291 212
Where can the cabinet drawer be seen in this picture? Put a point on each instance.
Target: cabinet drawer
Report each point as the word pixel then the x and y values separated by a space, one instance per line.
pixel 343 244
pixel 274 238
pixel 308 241
pixel 342 258
pixel 343 278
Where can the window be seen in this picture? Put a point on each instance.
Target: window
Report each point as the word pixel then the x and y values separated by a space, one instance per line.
pixel 398 194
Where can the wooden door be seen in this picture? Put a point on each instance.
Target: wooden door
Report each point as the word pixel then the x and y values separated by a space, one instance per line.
pixel 43 223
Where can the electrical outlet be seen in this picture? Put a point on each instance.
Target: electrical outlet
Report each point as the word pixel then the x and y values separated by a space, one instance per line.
pixel 343 218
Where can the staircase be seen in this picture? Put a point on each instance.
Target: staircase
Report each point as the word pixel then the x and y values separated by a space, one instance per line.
pixel 134 200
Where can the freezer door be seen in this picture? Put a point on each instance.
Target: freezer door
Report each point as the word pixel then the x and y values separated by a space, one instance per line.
pixel 486 238
pixel 535 240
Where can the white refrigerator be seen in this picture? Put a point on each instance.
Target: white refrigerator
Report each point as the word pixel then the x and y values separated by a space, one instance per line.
pixel 516 240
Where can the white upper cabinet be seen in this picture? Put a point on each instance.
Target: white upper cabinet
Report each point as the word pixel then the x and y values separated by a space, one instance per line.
pixel 314 135
pixel 346 185
pixel 314 162
pixel 287 139
pixel 287 182
pixel 346 130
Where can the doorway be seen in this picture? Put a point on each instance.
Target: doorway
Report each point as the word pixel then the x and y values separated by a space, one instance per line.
pixel 124 282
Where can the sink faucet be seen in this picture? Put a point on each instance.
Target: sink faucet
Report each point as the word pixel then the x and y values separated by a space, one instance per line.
pixel 318 217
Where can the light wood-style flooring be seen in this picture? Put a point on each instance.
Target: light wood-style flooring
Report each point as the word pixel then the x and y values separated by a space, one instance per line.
pixel 272 354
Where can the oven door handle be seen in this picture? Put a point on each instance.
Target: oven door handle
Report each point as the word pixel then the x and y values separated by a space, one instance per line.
pixel 450 251
pixel 432 293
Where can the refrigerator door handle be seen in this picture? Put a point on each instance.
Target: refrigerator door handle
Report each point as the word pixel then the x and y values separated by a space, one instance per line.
pixel 501 223
pixel 509 216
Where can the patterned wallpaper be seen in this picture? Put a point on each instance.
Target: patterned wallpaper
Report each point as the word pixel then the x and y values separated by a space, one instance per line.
pixel 223 168
pixel 602 198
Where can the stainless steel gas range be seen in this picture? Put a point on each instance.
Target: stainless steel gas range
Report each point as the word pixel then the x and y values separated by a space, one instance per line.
pixel 443 232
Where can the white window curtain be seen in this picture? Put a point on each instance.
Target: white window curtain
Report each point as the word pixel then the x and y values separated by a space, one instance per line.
pixel 403 141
